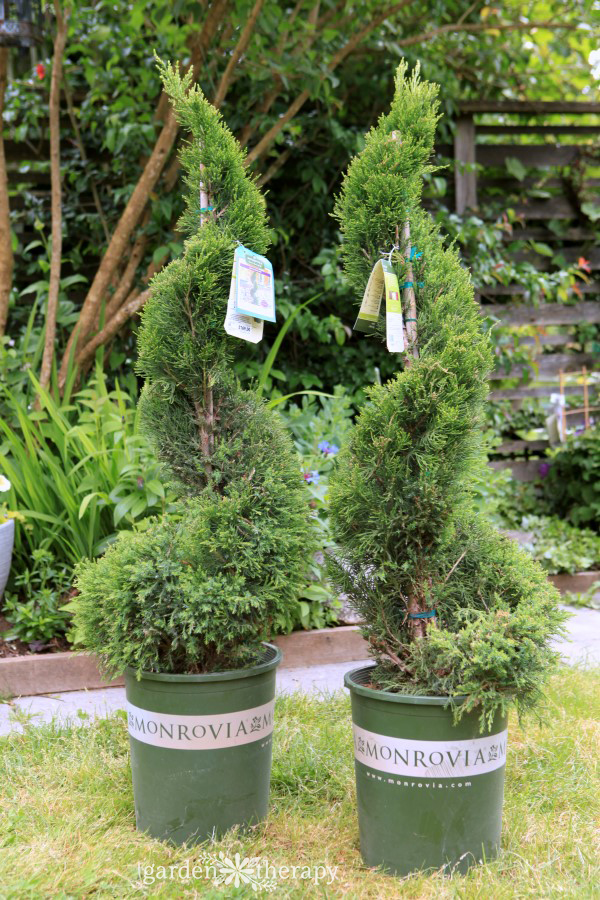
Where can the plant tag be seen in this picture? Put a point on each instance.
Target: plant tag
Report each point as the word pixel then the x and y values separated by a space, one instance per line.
pixel 394 326
pixel 246 328
pixel 255 285
pixel 382 279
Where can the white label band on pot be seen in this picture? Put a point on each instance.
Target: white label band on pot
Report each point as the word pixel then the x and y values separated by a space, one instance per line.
pixel 432 759
pixel 200 732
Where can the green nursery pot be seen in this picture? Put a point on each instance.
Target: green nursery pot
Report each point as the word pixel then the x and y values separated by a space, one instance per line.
pixel 429 792
pixel 201 749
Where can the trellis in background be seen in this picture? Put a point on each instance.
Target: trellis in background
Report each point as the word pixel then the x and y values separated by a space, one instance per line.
pixel 481 172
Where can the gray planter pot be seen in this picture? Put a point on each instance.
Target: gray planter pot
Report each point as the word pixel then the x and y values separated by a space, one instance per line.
pixel 7 537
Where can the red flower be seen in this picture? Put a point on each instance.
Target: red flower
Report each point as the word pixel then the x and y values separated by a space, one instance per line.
pixel 40 71
pixel 584 264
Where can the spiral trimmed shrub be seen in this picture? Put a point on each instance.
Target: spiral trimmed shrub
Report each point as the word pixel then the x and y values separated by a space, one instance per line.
pixel 198 591
pixel 450 606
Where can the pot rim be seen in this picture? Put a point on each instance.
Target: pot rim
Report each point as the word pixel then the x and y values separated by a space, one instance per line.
pixel 354 686
pixel 273 657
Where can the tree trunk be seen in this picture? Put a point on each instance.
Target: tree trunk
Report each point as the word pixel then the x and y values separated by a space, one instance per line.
pixel 119 242
pixel 6 253
pixel 56 191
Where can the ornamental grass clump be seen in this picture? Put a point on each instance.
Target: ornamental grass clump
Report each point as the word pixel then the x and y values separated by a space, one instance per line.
pixel 450 606
pixel 198 591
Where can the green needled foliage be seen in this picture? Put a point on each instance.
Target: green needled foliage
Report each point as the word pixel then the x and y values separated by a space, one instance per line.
pixel 401 505
pixel 197 592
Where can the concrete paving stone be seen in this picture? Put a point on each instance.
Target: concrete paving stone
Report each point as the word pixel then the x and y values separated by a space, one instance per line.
pixel 80 707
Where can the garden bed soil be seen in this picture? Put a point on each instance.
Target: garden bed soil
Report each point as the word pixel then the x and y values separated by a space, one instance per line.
pixel 12 648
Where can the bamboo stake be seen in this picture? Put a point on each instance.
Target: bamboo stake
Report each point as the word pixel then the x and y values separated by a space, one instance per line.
pixel 561 387
pixel 586 401
pixel 409 297
pixel 207 438
pixel 581 409
pixel 416 603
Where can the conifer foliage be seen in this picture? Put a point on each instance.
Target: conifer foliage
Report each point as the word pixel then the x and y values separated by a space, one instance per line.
pixel 451 607
pixel 199 590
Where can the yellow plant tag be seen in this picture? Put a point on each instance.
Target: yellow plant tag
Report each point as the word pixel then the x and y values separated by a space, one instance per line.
pixel 382 279
pixel 394 326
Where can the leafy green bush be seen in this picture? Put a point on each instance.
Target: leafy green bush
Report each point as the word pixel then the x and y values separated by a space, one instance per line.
pixel 561 547
pixel 517 506
pixel 319 429
pixel 79 469
pixel 451 607
pixel 572 484
pixel 199 591
pixel 36 611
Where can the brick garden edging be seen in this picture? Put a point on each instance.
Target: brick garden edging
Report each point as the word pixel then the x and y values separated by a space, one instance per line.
pixel 51 673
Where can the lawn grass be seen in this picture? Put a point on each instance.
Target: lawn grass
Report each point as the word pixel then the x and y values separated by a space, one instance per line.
pixel 67 824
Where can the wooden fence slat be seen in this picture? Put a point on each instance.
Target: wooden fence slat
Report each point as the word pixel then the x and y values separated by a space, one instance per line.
pixel 532 107
pixel 553 208
pixel 465 182
pixel 538 155
pixel 513 290
pixel 545 314
pixel 484 182
pixel 543 234
pixel 520 446
pixel 522 469
pixel 529 155
pixel 520 393
pixel 538 129
pixel 547 340
pixel 551 364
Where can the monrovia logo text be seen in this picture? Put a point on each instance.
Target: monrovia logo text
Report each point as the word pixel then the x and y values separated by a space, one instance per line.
pixel 201 732
pixel 440 759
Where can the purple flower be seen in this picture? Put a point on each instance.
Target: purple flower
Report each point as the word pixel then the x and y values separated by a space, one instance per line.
pixel 328 449
pixel 543 469
pixel 311 477
pixel 140 482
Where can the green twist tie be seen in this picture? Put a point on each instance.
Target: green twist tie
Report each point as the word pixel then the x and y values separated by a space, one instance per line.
pixel 206 209
pixel 410 320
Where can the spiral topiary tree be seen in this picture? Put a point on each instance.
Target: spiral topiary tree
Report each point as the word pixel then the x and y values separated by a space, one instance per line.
pixel 450 606
pixel 198 591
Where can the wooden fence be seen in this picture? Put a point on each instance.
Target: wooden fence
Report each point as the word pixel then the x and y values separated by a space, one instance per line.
pixel 546 126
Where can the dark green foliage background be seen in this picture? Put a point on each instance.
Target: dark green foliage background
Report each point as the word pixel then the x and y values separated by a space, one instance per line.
pixel 572 487
pixel 115 91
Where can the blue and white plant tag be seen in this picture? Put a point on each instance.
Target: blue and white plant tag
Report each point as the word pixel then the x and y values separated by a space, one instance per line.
pixel 254 285
pixel 247 328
